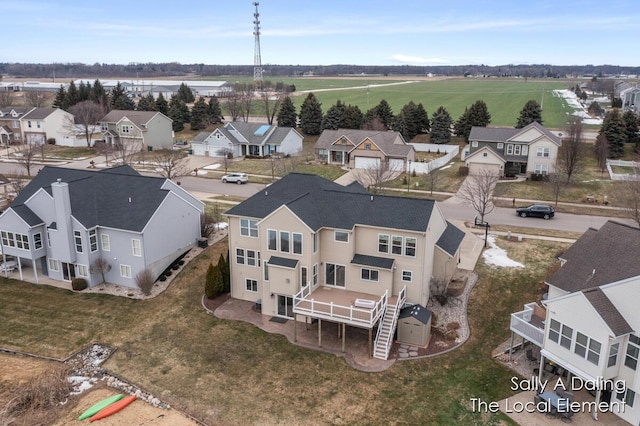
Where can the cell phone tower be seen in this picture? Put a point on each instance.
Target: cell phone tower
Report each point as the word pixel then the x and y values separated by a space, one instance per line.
pixel 257 61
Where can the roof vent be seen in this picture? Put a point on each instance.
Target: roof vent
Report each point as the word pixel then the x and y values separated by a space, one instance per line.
pixel 372 198
pixel 266 193
pixel 59 180
pixel 593 273
pixel 129 199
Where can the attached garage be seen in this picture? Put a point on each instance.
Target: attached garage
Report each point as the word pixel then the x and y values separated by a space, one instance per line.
pixel 485 160
pixel 366 162
pixel 414 325
pixel 478 168
pixel 396 164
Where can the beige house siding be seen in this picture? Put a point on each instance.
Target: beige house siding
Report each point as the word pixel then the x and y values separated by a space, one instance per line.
pixel 159 133
pixel 534 159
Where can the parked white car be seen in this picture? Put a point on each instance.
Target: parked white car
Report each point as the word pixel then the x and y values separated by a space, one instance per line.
pixel 238 178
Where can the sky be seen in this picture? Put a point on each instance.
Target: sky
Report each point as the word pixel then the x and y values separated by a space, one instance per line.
pixel 311 32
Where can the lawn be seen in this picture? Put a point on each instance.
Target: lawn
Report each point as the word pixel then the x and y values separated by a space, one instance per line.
pixel 226 372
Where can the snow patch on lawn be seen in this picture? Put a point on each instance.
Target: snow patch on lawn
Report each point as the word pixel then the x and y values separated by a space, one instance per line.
pixel 212 166
pixel 496 256
pixel 579 110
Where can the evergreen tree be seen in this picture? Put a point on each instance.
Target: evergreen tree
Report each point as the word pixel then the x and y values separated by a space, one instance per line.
pixel 631 127
pixel 334 118
pixel 185 94
pixel 214 112
pixel 530 112
pixel 176 114
pixel 214 284
pixel 185 115
pixel 409 121
pixel 223 266
pixel 440 126
pixel 146 103
pixel 98 94
pixel 72 94
pixel 613 128
pixel 83 91
pixel 162 105
pixel 199 115
pixel 311 116
pixel 60 100
pixel 422 118
pixel 476 115
pixel 120 100
pixel 287 116
pixel 384 113
pixel 353 117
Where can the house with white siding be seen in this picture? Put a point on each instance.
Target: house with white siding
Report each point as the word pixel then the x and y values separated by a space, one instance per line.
pixel 140 130
pixel 42 124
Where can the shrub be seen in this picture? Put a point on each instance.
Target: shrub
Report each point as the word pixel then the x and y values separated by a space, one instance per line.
pixel 51 141
pixel 162 278
pixel 181 262
pixel 175 267
pixel 463 171
pixel 536 177
pixel 214 284
pixel 78 284
pixel 145 280
pixel 168 273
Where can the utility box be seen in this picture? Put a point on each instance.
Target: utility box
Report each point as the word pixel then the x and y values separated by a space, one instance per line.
pixel 414 325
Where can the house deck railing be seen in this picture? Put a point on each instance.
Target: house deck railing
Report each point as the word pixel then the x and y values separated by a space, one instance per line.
pixel 384 342
pixel 304 304
pixel 521 325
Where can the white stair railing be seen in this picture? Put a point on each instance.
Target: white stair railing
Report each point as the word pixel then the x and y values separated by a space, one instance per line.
pixel 387 327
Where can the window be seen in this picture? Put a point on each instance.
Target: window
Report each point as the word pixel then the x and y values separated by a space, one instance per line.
pixel 315 242
pixel 593 354
pixel 334 274
pixel 249 228
pixel 613 354
pixel 516 149
pixel 125 271
pixel 410 247
pixel 367 146
pixel 585 346
pixel 297 243
pixel 484 154
pixel 82 271
pixel 407 276
pixel 396 245
pixel 474 144
pixel 314 277
pixel 136 246
pixel 566 337
pixel 93 240
pixel 266 271
pixel 251 258
pixel 125 128
pixel 554 331
pixel 581 344
pixel 20 241
pixel 342 236
pixel 303 276
pixel 627 396
pixel 272 240
pixel 29 124
pixel 383 243
pixel 509 149
pixel 633 350
pixel 240 256
pixel 37 241
pixel 541 169
pixel 369 274
pixel 525 150
pixel 252 285
pixel 48 239
pixel 104 239
pixel 284 241
pixel 542 152
pixel 77 236
pixel 500 145
pixel 53 265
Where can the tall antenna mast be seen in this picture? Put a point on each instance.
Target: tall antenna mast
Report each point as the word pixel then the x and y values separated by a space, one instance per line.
pixel 257 61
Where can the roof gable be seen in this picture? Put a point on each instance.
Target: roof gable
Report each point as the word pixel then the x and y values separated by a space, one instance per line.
pixel 490 151
pixel 607 311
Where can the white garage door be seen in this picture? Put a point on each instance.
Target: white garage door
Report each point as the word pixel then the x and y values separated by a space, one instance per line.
pixel 396 165
pixel 366 162
pixel 477 168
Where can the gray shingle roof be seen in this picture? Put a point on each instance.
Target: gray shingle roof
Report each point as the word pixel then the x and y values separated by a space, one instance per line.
pixel 450 239
pixel 599 257
pixel 391 143
pixel 139 118
pixel 282 261
pixel 607 311
pixel 27 215
pixel 39 113
pixel 373 261
pixel 321 203
pixel 119 198
pixel 201 137
pixel 499 134
pixel 274 135
pixel 418 312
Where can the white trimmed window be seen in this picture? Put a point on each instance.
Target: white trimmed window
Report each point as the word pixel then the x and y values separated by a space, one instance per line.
pixel 48 239
pixel 93 240
pixel 240 256
pixel 566 337
pixel 554 331
pixel 542 152
pixel 509 149
pixel 251 285
pixel 541 169
pixel 500 145
pixel 82 271
pixel 284 241
pixel 125 271
pixel 383 243
pixel 314 276
pixel 37 241
pixel 249 228
pixel 251 258
pixel 106 244
pixel 297 243
pixel 525 149
pixel 407 276
pixel 266 271
pixel 77 236
pixel 53 265
pixel 474 144
pixel 633 351
pixel 20 241
pixel 613 354
pixel 516 149
pixel 627 396
pixel 396 245
pixel 410 246
pixel 369 274
pixel 315 242
pixel 272 239
pixel 304 276
pixel 136 246
pixel 341 236
pixel 334 274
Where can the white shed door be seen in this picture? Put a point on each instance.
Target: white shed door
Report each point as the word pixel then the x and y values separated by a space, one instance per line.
pixel 366 162
pixel 396 165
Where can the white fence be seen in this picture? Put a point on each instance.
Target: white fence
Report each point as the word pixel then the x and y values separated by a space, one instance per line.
pixel 419 167
pixel 624 176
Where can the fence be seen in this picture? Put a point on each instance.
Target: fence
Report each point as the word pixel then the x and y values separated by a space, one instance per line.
pixel 623 176
pixel 419 167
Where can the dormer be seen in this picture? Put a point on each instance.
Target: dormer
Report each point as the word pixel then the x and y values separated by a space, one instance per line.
pixel 14 113
pixel 1 114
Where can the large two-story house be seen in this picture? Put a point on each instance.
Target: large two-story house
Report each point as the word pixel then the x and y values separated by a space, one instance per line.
pixel 308 248
pixel 364 149
pixel 504 151
pixel 140 130
pixel 40 125
pixel 10 124
pixel 65 220
pixel 590 322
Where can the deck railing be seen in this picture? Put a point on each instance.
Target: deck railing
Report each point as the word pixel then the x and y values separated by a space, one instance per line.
pixel 521 325
pixel 387 341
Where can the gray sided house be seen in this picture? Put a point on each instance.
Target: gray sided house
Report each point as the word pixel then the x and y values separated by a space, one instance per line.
pixel 506 151
pixel 147 129
pixel 66 219
pixel 362 149
pixel 243 139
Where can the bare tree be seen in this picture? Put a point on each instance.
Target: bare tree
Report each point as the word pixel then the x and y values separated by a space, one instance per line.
pixel 477 191
pixel 24 156
pixel 556 183
pixel 628 195
pixel 246 91
pixel 106 149
pixel 172 163
pixel 602 152
pixel 35 98
pixel 126 151
pixel 100 266
pixel 572 152
pixel 86 115
pixel 6 98
pixel 17 181
pixel 374 176
pixel 272 99
pixel 226 156
pixel 433 175
pixel 233 103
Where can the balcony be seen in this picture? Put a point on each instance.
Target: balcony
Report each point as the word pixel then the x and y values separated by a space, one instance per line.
pixel 529 323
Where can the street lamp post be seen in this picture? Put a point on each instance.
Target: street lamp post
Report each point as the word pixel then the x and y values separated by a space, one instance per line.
pixel 409 176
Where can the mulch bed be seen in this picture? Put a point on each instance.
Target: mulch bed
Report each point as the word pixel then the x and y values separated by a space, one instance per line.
pixel 213 304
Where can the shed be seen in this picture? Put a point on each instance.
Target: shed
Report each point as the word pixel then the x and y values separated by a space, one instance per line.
pixel 414 325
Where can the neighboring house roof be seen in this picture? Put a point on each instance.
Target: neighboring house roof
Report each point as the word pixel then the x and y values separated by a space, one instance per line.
pixel 281 261
pixel 201 137
pixel 139 118
pixel 600 257
pixel 119 198
pixel 39 113
pixel 27 215
pixel 373 261
pixel 319 202
pixel 499 134
pixel 607 311
pixel 355 186
pixel 490 149
pixel 255 133
pixel 418 312
pixel 390 143
pixel 6 111
pixel 450 239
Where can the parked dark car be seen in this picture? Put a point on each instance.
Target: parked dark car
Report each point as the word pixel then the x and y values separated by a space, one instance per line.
pixel 544 211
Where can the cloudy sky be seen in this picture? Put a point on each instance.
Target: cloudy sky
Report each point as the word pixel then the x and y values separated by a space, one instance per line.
pixel 323 32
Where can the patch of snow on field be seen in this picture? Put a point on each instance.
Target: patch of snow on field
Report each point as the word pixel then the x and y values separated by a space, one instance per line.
pixel 80 384
pixel 212 166
pixel 579 110
pixel 498 257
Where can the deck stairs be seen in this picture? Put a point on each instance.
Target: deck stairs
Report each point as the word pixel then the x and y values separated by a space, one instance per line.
pixel 387 327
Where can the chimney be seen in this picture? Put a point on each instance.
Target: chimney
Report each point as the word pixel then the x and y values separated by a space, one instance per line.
pixel 63 241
